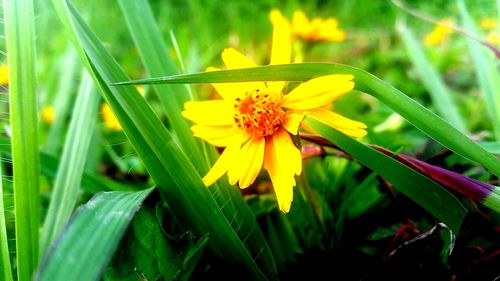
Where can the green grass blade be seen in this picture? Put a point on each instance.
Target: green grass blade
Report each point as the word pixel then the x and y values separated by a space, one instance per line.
pixel 5 265
pixel 69 175
pixel 428 194
pixel 179 183
pixel 441 96
pixel 419 116
pixel 148 39
pixel 62 102
pixel 493 147
pixel 20 39
pixel 486 70
pixel 87 243
pixel 91 182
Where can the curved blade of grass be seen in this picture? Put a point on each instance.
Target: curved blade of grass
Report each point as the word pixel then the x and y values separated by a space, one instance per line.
pixel 419 116
pixel 153 50
pixel 441 96
pixel 20 39
pixel 70 171
pixel 5 266
pixel 179 183
pixel 428 194
pixel 87 243
pixel 486 71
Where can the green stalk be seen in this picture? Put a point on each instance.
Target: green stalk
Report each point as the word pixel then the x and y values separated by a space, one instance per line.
pixel 20 37
pixel 70 171
pixel 5 265
pixel 428 194
pixel 422 118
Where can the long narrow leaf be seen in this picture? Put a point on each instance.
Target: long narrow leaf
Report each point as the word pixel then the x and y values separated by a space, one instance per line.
pixel 23 108
pixel 178 181
pixel 486 71
pixel 153 50
pixel 419 116
pixel 91 183
pixel 67 183
pixel 441 96
pixel 431 196
pixel 62 101
pixel 87 243
pixel 5 265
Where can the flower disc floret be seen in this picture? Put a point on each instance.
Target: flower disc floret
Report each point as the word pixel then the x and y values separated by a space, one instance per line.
pixel 259 113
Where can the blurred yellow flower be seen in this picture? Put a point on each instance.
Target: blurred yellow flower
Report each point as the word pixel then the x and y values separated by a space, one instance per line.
pixel 109 118
pixel 493 37
pixel 4 74
pixel 440 33
pixel 488 23
pixel 254 121
pixel 316 30
pixel 48 114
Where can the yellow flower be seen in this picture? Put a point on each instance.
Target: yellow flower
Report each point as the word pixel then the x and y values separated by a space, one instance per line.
pixel 493 38
pixel 316 30
pixel 4 74
pixel 488 23
pixel 254 121
pixel 109 118
pixel 48 114
pixel 440 33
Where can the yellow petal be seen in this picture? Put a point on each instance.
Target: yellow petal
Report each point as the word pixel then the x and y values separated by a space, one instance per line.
pixel 220 136
pixel 282 47
pixel 234 60
pixel 4 74
pixel 48 114
pixel 292 122
pixel 345 125
pixel 220 166
pixel 213 112
pixel 250 161
pixel 230 91
pixel 318 91
pixel 283 161
pixel 300 23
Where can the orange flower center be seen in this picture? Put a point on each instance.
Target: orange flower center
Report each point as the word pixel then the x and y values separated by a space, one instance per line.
pixel 259 113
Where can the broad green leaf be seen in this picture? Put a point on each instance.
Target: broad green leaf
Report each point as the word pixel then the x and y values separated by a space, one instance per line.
pixel 177 180
pixel 20 37
pixel 419 116
pixel 173 260
pixel 441 96
pixel 5 265
pixel 67 184
pixel 486 69
pixel 425 192
pixel 87 243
